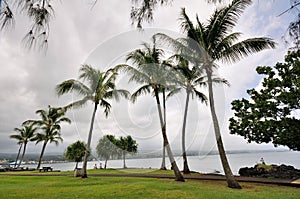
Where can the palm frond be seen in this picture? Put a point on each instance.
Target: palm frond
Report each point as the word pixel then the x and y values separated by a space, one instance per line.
pixel 6 16
pixel 79 103
pixel 173 92
pixel 226 43
pixel 201 96
pixel 117 93
pixel 186 24
pixel 223 20
pixel 218 80
pixel 143 90
pixel 90 74
pixel 136 75
pixel 245 48
pixel 106 106
pixel 42 113
pixel 72 85
pixel 64 119
pixel 16 136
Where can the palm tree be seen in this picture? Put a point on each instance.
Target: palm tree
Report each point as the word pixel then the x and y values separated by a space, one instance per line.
pixel 100 89
pixel 49 124
pixel 75 152
pixel 217 43
pixel 26 134
pixel 149 73
pixel 107 148
pixel 188 79
pixel 127 145
pixel 19 151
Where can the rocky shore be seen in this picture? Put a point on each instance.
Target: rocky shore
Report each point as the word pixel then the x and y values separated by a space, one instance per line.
pixel 270 171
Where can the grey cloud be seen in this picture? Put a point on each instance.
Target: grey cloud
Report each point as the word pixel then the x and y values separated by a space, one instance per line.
pixel 28 78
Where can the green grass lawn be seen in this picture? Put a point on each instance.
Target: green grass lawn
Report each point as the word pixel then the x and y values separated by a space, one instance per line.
pixel 128 187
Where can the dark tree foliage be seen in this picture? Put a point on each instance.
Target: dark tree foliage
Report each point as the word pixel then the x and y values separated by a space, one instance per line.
pixel 75 152
pixel 271 113
pixel 127 145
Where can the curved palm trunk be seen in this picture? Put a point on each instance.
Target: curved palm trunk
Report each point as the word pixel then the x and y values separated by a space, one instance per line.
pixel 163 163
pixel 231 181
pixel 42 154
pixel 178 175
pixel 24 149
pixel 87 151
pixel 16 162
pixel 186 169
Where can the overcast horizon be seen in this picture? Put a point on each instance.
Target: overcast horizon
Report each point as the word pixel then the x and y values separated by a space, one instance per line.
pixel 101 36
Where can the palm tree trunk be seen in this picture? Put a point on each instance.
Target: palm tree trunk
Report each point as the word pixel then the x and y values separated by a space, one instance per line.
pixel 231 181
pixel 16 162
pixel 24 149
pixel 178 175
pixel 124 165
pixel 76 166
pixel 163 163
pixel 87 151
pixel 186 169
pixel 42 154
pixel 105 163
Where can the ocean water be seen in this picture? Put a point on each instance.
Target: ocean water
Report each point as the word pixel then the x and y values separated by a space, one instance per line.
pixel 203 164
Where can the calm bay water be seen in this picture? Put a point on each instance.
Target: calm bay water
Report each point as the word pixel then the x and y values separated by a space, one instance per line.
pixel 203 164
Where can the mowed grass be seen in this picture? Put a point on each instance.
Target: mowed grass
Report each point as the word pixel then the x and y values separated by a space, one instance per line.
pixel 128 187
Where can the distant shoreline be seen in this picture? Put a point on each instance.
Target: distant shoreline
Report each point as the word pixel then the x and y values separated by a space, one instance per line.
pixel 146 154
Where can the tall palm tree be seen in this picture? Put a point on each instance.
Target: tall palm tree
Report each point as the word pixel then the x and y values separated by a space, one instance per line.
pixel 49 124
pixel 19 150
pixel 107 148
pixel 101 87
pixel 126 145
pixel 216 42
pixel 148 73
pixel 26 134
pixel 167 91
pixel 188 79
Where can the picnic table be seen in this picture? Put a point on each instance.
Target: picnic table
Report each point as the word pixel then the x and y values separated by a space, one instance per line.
pixel 46 169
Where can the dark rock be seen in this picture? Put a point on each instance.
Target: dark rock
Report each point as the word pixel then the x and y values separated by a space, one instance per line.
pixel 275 171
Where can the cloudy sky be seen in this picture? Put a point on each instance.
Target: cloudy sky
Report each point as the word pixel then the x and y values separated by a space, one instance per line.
pixel 101 36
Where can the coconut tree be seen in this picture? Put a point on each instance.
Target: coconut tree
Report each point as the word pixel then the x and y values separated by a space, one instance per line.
pixel 188 79
pixel 19 150
pixel 26 134
pixel 101 87
pixel 216 42
pixel 75 152
pixel 148 73
pixel 50 128
pixel 107 148
pixel 127 145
